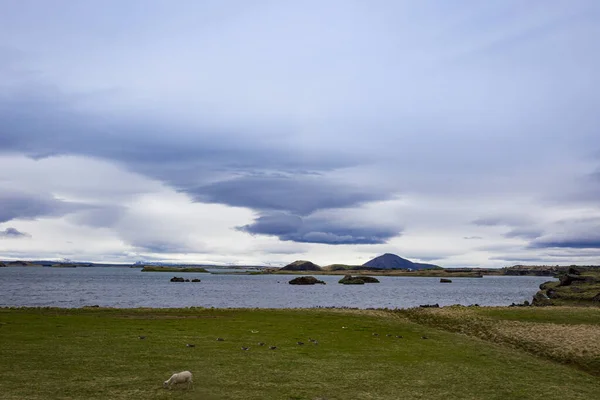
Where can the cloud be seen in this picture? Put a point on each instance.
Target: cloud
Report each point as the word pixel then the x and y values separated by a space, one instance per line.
pixel 580 242
pixel 296 194
pixel 304 119
pixel 104 216
pixel 319 229
pixel 162 247
pixel 13 233
pixel 19 205
pixel 503 220
pixel 524 233
pixel 473 237
pixel 573 233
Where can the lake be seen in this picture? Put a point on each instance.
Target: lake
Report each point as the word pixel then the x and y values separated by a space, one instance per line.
pixel 129 287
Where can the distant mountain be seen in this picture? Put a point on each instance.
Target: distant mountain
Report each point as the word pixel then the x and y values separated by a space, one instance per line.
pixel 301 265
pixel 392 261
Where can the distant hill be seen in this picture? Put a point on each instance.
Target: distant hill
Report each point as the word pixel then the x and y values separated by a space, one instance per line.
pixel 392 261
pixel 301 265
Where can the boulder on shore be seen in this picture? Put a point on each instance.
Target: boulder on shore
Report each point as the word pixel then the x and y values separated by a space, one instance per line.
pixel 177 279
pixel 567 279
pixel 305 280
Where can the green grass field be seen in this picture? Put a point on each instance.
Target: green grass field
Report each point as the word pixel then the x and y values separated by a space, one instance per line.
pixel 97 354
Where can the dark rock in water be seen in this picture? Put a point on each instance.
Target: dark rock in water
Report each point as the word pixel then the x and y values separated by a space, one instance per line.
pixel 177 279
pixel 196 280
pixel 444 280
pixel 305 280
pixel 369 279
pixel 187 280
pixel 351 280
pixel 436 305
pixel 301 265
pixel 357 280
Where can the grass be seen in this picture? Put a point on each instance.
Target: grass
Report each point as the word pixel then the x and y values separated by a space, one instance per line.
pixel 172 269
pixel 577 293
pixel 96 354
pixel 568 335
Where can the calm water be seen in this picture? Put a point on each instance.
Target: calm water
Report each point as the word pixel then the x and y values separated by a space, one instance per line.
pixel 128 287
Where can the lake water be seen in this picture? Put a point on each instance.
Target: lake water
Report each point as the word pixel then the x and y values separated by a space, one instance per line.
pixel 129 287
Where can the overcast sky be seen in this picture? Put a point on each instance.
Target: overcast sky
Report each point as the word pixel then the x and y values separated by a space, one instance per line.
pixel 462 133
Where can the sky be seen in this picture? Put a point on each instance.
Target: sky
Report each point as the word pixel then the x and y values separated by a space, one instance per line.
pixel 463 133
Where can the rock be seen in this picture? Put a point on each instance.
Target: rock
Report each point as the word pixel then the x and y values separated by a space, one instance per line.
pixel 445 280
pixel 567 279
pixel 177 279
pixel 357 280
pixel 187 280
pixel 573 271
pixel 552 294
pixel 351 280
pixel 436 305
pixel 369 279
pixel 305 280
pixel 540 299
pixel 196 280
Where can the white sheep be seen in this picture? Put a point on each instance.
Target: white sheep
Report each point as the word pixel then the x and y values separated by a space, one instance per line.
pixel 182 377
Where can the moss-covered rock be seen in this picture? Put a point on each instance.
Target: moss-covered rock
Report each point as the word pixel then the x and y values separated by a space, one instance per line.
pixel 357 280
pixel 306 280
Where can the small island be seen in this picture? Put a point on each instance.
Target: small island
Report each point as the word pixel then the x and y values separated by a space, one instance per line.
pixel 357 280
pixel 306 280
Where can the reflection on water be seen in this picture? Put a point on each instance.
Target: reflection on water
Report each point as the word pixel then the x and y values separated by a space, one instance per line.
pixel 128 287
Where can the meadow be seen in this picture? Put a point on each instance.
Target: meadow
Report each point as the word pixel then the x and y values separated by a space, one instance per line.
pixel 95 353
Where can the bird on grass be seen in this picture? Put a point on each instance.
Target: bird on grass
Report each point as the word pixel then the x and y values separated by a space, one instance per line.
pixel 261 344
pixel 273 347
pixel 219 339
pixel 388 335
pixel 190 345
pixel 245 348
pixel 142 337
pixel 398 336
pixel 376 334
pixel 424 337
pixel 300 343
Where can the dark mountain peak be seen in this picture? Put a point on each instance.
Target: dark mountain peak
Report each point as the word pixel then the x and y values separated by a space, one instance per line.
pixel 392 261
